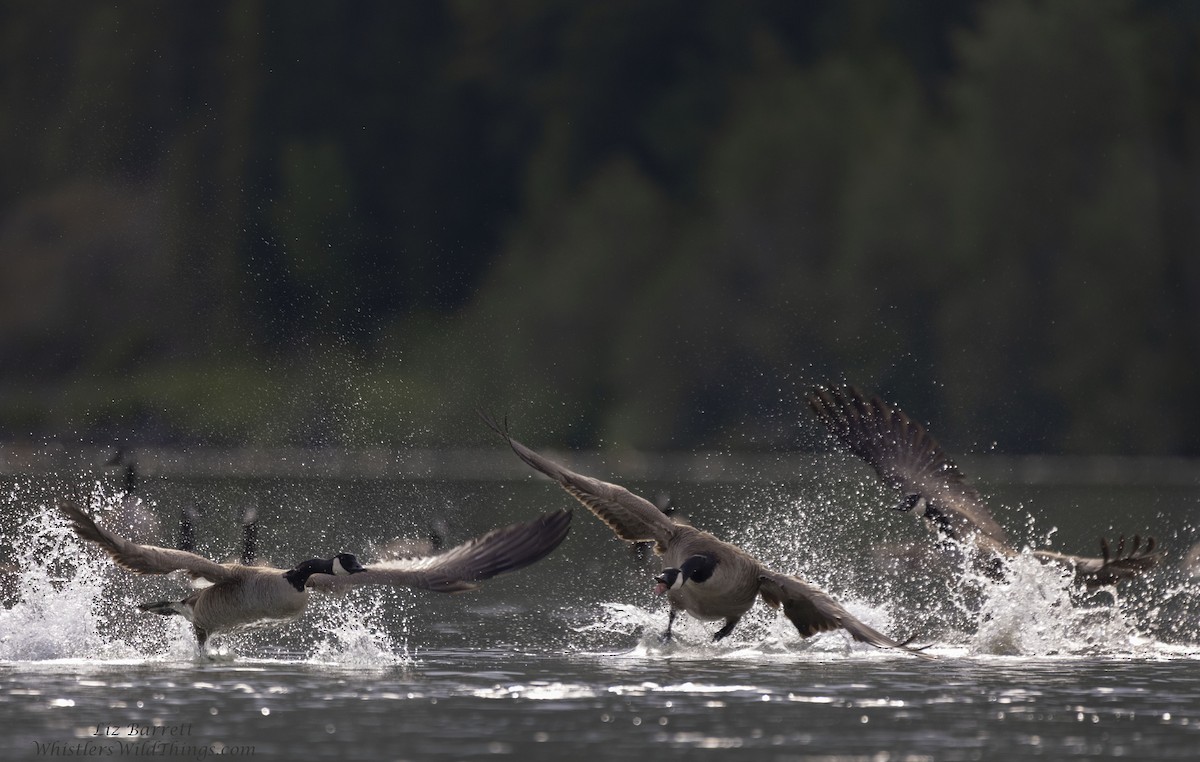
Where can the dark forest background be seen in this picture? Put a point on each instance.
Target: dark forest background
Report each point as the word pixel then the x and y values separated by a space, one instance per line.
pixel 622 223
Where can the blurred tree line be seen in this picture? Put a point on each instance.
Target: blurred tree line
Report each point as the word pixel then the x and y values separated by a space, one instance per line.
pixel 646 224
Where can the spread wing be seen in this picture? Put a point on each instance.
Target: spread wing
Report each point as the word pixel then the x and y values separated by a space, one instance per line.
pixel 144 559
pixel 1111 567
pixel 633 518
pixel 813 611
pixel 907 458
pixel 462 568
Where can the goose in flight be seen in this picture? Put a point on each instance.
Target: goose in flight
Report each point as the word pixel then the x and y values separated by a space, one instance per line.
pixel 241 596
pixel 908 459
pixel 702 575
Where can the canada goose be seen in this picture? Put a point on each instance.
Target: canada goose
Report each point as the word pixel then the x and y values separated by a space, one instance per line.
pixel 706 577
pixel 248 596
pixel 188 516
pixel 907 458
pixel 133 517
pixel 137 522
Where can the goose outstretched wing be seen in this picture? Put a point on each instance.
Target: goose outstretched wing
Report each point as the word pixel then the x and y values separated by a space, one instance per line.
pixel 465 566
pixel 144 559
pixel 812 610
pixel 907 458
pixel 633 518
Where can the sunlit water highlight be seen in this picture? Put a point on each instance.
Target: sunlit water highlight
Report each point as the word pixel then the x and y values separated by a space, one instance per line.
pixel 566 659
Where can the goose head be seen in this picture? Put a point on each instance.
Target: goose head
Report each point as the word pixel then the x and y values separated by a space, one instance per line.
pixel 340 565
pixel 345 563
pixel 695 569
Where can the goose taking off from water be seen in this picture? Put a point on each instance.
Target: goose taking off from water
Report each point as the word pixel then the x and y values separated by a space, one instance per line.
pixel 251 596
pixel 908 459
pixel 706 577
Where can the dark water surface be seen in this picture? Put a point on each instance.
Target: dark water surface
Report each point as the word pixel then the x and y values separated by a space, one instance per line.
pixel 466 704
pixel 562 660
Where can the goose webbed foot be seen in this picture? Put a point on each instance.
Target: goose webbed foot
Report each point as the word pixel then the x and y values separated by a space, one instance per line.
pixel 1121 565
pixel 724 631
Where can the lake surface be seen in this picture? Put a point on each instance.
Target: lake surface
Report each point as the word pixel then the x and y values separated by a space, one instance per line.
pixel 563 658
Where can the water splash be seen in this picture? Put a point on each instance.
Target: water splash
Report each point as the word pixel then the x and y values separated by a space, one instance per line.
pixel 54 615
pixel 68 601
pixel 922 588
pixel 1029 613
pixel 354 630
pixel 763 633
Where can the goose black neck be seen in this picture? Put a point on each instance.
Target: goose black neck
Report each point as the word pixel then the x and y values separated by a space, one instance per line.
pixel 299 575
